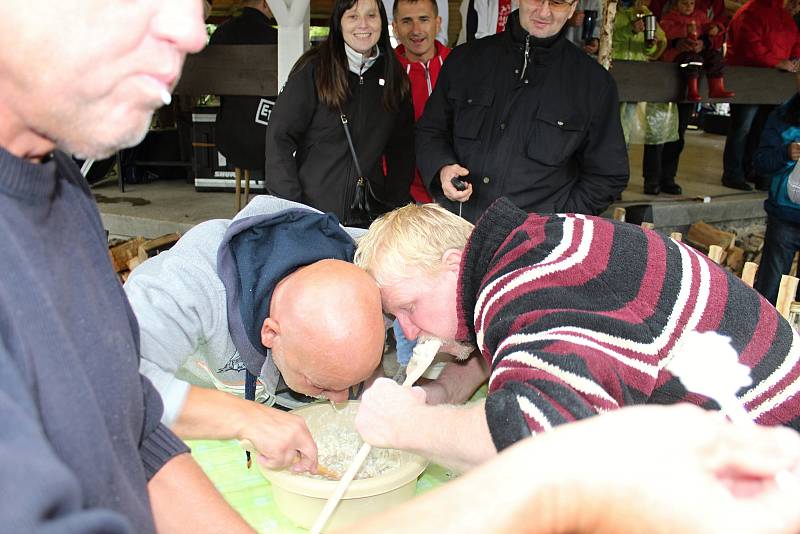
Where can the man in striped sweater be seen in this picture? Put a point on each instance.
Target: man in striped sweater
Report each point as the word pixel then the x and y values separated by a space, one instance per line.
pixel 574 316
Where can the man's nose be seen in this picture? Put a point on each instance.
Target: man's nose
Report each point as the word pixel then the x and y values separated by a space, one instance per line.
pixel 181 22
pixel 337 396
pixel 410 330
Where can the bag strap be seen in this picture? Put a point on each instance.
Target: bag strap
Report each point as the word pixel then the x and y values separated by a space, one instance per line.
pixel 350 144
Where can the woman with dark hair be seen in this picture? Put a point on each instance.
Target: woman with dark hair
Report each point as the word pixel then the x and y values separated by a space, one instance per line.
pixel 354 76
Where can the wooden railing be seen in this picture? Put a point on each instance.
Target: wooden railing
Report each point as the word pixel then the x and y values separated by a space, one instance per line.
pixel 253 70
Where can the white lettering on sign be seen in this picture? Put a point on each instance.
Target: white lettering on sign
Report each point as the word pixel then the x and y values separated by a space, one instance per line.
pixel 264 110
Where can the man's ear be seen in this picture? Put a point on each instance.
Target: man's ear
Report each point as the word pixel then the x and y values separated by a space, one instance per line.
pixel 270 332
pixel 451 259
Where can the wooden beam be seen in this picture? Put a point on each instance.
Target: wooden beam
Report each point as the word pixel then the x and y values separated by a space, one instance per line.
pixel 657 81
pixel 231 70
pixel 253 70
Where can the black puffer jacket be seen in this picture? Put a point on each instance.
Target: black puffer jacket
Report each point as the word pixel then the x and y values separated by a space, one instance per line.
pixel 549 137
pixel 308 159
pixel 242 120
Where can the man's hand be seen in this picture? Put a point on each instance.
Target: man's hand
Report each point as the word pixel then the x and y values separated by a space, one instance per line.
pixel 386 413
pixel 713 31
pixel 281 438
pixel 794 151
pixel 592 46
pixel 576 19
pixel 447 173
pixel 697 45
pixel 638 26
pixel 787 64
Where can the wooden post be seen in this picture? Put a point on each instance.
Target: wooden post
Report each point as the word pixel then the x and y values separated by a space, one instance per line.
pixel 786 293
pixel 716 254
pixel 246 186
pixel 609 14
pixel 749 273
pixel 237 202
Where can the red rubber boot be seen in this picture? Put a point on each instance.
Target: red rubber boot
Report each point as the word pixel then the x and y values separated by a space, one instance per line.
pixel 716 88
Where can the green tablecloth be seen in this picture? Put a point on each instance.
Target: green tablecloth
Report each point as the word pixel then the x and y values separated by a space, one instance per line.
pixel 251 494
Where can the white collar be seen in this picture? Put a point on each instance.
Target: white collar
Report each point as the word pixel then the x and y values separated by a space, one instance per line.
pixel 356 62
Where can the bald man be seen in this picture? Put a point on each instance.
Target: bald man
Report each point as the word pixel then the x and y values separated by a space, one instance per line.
pixel 247 307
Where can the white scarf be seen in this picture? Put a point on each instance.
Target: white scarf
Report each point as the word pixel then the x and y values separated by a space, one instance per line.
pixel 356 62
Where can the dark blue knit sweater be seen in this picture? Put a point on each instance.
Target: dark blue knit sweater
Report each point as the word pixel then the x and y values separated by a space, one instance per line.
pixel 79 427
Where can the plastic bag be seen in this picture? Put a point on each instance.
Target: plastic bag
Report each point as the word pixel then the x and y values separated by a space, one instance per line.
pixel 793 185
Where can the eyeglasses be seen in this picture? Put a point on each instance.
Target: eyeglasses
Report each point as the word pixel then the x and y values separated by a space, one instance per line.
pixel 555 5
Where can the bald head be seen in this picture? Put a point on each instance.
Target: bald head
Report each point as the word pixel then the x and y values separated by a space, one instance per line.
pixel 325 327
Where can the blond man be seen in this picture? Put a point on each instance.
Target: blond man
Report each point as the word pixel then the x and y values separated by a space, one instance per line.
pixel 575 316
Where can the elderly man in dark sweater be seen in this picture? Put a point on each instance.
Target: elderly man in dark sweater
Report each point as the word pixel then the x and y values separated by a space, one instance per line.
pixel 81 442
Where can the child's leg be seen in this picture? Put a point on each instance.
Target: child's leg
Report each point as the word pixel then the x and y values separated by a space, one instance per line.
pixel 690 64
pixel 714 66
pixel 651 168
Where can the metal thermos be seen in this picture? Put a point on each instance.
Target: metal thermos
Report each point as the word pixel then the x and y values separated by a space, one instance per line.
pixel 649 27
pixel 589 21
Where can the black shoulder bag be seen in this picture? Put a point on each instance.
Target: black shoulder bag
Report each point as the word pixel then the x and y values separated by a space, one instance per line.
pixel 365 206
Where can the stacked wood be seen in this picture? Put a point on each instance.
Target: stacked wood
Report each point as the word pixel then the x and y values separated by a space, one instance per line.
pixel 128 255
pixel 122 254
pixel 735 259
pixel 721 246
pixel 702 236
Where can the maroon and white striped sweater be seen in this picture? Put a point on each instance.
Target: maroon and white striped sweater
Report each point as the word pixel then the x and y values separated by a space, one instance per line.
pixel 578 315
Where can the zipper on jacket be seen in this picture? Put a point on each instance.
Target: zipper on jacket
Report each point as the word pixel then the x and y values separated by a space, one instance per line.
pixel 427 72
pixel 527 56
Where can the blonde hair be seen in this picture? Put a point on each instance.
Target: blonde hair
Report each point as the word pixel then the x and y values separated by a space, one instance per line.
pixel 408 240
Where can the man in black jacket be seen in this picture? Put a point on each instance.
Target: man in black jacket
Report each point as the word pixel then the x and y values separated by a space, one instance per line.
pixel 242 120
pixel 527 115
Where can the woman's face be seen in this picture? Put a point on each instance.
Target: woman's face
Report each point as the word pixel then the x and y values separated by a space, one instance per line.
pixel 361 26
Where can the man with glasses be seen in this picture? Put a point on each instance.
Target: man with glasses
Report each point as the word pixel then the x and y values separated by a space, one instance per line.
pixel 527 115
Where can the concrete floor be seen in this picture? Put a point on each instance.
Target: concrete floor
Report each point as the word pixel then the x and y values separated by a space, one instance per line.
pixel 164 206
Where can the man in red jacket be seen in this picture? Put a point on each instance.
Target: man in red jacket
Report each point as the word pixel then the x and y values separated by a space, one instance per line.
pixel 761 34
pixel 415 24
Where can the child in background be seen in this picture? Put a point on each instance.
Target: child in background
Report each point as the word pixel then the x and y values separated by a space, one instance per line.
pixel 696 43
pixel 651 123
pixel 776 157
